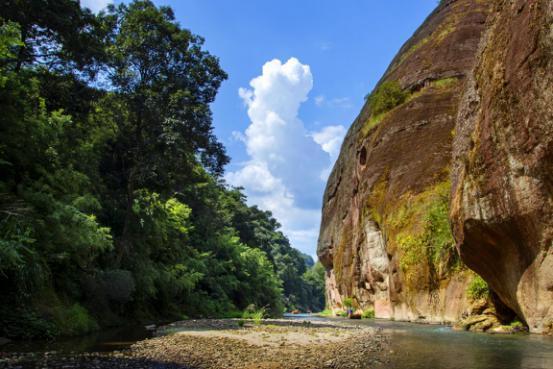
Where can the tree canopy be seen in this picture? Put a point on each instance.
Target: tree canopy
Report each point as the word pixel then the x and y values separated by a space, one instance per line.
pixel 112 202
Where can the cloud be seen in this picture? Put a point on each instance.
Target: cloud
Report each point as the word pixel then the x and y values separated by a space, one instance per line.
pixel 95 5
pixel 330 138
pixel 238 136
pixel 319 100
pixel 287 163
pixel 337 102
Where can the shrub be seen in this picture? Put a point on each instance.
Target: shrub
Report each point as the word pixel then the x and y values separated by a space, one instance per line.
pixel 25 324
pixel 348 302
pixel 517 325
pixel 368 314
pixel 386 97
pixel 118 285
pixel 478 289
pixel 76 321
pixel 257 315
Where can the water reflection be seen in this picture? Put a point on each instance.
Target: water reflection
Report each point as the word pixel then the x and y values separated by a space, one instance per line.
pixel 418 346
pixel 422 347
pixel 104 341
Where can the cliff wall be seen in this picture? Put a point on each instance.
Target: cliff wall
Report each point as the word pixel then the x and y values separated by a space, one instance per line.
pixel 457 132
pixel 502 203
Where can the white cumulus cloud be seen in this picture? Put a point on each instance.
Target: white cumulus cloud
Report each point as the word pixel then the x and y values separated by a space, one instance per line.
pixel 95 5
pixel 287 162
pixel 330 138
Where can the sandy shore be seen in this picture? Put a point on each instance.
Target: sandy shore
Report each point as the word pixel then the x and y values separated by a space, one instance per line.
pixel 222 344
pixel 274 344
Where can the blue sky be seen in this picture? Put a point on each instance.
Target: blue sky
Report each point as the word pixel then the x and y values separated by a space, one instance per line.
pixel 298 73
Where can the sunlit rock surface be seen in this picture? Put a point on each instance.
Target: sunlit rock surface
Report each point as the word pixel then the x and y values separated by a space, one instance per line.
pixel 470 146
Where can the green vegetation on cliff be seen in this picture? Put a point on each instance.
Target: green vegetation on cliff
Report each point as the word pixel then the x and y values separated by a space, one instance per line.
pixel 478 288
pixel 390 95
pixel 386 97
pixel 112 202
pixel 417 226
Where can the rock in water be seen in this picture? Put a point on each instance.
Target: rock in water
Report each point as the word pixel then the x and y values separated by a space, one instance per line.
pixel 458 131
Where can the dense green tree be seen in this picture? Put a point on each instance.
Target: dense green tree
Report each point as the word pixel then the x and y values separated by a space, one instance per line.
pixel 258 228
pixel 163 83
pixel 57 35
pixel 112 205
pixel 314 279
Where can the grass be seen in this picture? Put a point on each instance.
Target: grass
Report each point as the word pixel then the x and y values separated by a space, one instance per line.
pixel 518 326
pixel 425 235
pixel 445 82
pixel 326 313
pixel 257 315
pixel 48 317
pixel 390 95
pixel 371 123
pixel 384 99
pixel 233 314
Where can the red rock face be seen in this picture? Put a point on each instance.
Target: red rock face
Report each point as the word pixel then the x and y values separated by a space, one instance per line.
pixel 385 169
pixel 503 174
pixel 471 143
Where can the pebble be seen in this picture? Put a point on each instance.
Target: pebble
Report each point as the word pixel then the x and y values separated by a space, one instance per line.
pixel 357 348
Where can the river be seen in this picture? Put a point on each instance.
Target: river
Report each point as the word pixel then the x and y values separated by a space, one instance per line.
pixel 414 346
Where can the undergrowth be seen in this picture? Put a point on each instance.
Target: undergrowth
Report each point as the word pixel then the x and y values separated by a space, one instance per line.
pixel 478 289
pixel 368 314
pixel 426 234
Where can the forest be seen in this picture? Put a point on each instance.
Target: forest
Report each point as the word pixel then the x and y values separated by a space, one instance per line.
pixel 113 204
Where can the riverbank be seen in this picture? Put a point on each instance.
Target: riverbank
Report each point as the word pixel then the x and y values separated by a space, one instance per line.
pixel 296 342
pixel 219 344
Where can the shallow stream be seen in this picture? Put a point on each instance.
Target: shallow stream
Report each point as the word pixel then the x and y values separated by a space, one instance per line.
pixel 423 346
pixel 413 346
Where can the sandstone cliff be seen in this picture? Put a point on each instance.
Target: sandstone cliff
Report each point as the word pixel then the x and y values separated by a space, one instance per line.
pixel 502 204
pixel 458 131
